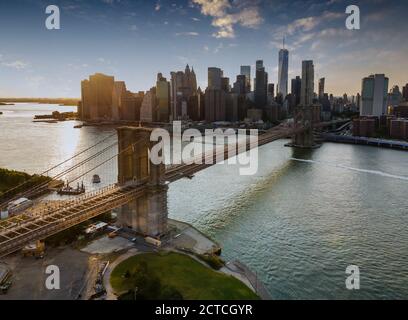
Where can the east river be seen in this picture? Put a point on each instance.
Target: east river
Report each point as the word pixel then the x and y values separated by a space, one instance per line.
pixel 299 222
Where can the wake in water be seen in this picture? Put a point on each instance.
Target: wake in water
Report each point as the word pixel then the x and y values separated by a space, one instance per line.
pixel 376 172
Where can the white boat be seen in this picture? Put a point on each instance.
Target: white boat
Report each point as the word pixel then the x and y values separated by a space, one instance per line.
pixel 96 179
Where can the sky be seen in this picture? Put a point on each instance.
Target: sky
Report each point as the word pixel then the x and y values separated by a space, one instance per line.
pixel 133 40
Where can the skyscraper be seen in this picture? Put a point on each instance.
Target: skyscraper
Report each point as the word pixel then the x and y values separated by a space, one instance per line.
pixel 321 88
pixel 394 97
pixel 163 98
pixel 296 89
pixel 405 92
pixel 307 87
pixel 97 97
pixel 345 98
pixel 131 104
pixel 215 95
pixel 240 85
pixel 118 95
pixel 193 111
pixel 177 80
pixel 261 85
pixel 190 80
pixel 374 91
pixel 283 69
pixel 225 84
pixel 246 71
pixel 148 110
pixel 271 89
pixel 215 109
pixel 214 78
pixel 85 100
pixel 358 101
pixel 183 85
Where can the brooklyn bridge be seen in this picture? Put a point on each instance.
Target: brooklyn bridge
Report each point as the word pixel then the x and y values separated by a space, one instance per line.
pixel 141 189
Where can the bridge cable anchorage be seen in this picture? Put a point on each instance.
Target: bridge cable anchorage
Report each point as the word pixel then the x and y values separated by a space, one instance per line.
pixel 52 168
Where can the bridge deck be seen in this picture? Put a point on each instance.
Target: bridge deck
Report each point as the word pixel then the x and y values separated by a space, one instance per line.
pixel 17 233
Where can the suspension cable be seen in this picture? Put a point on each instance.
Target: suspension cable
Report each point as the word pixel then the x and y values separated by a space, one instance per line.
pixel 57 165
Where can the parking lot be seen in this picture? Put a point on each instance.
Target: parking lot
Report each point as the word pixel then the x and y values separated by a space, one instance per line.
pixel 29 275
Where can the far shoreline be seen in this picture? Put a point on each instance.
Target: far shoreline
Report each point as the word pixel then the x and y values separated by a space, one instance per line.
pixel 68 102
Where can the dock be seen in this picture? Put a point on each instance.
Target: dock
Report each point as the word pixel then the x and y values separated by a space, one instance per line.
pixel 382 143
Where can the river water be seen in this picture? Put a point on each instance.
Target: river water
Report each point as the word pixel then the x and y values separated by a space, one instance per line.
pixel 299 222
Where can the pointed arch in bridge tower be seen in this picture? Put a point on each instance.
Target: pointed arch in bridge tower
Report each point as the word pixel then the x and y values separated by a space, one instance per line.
pixel 147 214
pixel 304 120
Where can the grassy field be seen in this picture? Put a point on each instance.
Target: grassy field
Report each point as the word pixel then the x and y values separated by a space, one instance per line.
pixel 192 279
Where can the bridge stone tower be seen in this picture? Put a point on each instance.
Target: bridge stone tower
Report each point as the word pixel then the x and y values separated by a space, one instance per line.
pixel 305 117
pixel 146 215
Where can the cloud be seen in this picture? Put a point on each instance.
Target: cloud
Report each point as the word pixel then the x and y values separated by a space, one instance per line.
pixel 81 66
pixel 71 7
pixel 18 64
pixel 307 29
pixel 191 33
pixel 110 1
pixel 225 16
pixel 310 23
pixel 213 8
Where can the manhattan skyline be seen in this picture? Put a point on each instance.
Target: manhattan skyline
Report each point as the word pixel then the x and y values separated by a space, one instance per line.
pixel 134 40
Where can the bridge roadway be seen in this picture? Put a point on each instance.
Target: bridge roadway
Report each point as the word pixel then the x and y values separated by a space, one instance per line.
pixel 187 170
pixel 41 222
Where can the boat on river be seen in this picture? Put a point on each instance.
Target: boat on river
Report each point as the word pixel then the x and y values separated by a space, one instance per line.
pixel 67 190
pixel 96 179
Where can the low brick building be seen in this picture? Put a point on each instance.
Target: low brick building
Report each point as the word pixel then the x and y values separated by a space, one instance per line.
pixel 364 127
pixel 399 129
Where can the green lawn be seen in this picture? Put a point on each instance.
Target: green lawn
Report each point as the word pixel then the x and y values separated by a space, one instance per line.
pixel 189 277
